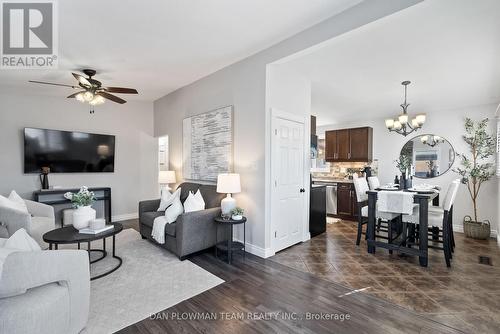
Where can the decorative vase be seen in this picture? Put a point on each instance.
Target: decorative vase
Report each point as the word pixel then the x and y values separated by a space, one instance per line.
pixel 82 217
pixel 476 230
pixel 236 217
pixel 402 181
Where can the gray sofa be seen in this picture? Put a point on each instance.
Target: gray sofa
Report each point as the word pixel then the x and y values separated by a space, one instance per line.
pixel 37 222
pixel 45 292
pixel 193 231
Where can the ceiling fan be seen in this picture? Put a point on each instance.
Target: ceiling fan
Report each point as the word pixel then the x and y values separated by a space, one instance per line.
pixel 91 90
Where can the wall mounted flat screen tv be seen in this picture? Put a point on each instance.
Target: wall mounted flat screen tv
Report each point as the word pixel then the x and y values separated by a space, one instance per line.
pixel 68 152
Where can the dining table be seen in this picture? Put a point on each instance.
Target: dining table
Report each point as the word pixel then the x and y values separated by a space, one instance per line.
pixel 422 199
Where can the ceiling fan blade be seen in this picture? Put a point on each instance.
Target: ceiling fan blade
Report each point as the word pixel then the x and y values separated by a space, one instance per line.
pixel 121 90
pixel 51 83
pixel 82 80
pixel 111 97
pixel 75 94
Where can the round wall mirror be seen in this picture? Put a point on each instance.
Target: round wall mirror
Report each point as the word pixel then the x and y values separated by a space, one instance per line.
pixel 431 155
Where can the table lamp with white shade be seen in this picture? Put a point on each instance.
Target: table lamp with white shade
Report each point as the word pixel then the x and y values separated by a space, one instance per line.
pixel 166 177
pixel 228 184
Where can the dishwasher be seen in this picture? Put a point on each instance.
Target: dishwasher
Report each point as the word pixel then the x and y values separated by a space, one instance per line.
pixel 331 199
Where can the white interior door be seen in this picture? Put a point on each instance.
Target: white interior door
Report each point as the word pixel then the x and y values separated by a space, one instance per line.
pixel 288 193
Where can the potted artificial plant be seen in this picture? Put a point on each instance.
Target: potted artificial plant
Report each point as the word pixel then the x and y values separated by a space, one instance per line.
pixel 403 164
pixel 82 202
pixel 476 169
pixel 237 213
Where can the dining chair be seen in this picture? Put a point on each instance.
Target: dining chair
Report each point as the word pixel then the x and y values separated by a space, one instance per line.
pixel 373 182
pixel 441 220
pixel 361 187
pixel 440 209
pixel 394 204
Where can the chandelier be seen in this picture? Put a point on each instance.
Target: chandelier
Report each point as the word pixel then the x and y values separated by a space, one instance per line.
pixel 402 125
pixel 431 140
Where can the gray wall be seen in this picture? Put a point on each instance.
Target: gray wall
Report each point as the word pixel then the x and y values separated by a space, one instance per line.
pixel 243 85
pixel 135 175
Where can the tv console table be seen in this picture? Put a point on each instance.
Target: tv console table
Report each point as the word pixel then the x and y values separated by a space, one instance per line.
pixel 55 197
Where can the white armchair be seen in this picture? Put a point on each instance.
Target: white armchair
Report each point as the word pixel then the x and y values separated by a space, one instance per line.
pixel 45 292
pixel 39 221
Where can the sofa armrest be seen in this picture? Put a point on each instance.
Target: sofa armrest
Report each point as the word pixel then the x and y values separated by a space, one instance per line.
pixel 14 220
pixel 195 231
pixel 26 270
pixel 39 209
pixel 148 206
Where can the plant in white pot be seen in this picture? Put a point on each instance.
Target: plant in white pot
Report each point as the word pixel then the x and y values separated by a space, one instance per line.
pixel 237 213
pixel 82 202
pixel 476 169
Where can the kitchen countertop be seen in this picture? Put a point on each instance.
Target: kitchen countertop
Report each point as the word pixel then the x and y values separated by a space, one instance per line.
pixel 331 179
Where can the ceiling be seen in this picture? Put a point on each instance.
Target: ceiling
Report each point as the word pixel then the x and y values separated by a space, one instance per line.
pixel 160 46
pixel 449 49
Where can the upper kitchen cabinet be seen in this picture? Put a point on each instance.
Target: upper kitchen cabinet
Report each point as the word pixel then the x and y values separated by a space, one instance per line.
pixel 349 145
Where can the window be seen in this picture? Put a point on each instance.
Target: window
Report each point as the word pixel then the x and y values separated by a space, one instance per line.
pixel 163 153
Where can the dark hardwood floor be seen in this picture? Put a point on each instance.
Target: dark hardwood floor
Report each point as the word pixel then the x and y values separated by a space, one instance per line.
pixel 255 288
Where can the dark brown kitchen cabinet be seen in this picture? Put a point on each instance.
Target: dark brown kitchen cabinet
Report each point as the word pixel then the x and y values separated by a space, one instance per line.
pixel 330 145
pixel 344 199
pixel 349 145
pixel 347 207
pixel 361 144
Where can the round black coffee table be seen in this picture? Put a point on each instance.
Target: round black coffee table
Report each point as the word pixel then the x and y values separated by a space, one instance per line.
pixel 70 235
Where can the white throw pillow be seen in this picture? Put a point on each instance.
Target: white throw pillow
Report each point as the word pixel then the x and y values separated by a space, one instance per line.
pixel 166 200
pixel 14 197
pixel 7 203
pixel 21 240
pixel 194 202
pixel 176 209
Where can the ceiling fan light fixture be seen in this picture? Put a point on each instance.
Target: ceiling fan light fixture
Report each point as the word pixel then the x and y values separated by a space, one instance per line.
pixel 97 100
pixel 88 96
pixel 79 97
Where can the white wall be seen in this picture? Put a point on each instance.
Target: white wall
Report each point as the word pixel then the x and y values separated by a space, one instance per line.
pixel 289 92
pixel 243 85
pixel 450 125
pixel 135 175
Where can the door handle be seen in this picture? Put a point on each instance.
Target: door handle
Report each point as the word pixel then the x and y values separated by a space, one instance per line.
pixel 302 190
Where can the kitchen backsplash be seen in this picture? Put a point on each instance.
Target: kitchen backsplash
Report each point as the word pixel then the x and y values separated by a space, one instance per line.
pixel 340 169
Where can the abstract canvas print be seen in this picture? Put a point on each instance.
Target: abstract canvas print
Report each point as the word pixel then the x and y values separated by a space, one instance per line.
pixel 208 144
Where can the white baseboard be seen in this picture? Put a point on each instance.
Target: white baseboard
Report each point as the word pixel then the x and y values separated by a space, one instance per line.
pixel 460 229
pixel 127 216
pixel 256 250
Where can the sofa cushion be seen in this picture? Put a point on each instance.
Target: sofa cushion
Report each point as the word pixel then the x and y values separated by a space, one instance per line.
pixel 187 187
pixel 21 240
pixel 40 226
pixel 148 218
pixel 194 202
pixel 14 197
pixel 174 210
pixel 211 196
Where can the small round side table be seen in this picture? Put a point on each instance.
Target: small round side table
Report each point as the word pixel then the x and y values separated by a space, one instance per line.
pixel 229 246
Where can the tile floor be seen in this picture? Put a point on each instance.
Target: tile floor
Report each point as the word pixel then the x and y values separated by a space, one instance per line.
pixel 465 296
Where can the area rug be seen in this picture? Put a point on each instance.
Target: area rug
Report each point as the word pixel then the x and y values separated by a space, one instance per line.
pixel 150 280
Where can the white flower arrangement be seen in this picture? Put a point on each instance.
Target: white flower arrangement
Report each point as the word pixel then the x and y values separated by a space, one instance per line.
pixel 82 198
